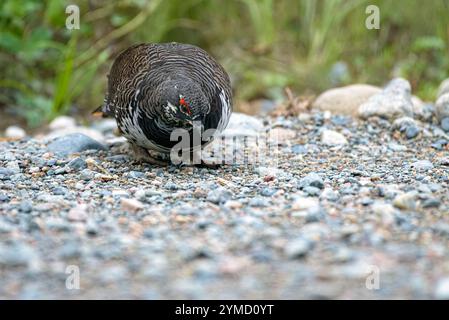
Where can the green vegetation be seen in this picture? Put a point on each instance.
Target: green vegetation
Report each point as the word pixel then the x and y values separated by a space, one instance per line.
pixel 265 45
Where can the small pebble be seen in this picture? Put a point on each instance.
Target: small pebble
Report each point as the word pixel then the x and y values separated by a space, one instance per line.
pixel 431 203
pixel 77 164
pixel 78 213
pixel 422 165
pixel 445 124
pixel 219 195
pixel 412 132
pixel 405 201
pixel 442 289
pixel 330 137
pixel 311 180
pixel 297 248
pixel 131 205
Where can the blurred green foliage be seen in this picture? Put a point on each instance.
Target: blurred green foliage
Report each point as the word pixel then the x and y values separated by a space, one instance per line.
pixel 265 45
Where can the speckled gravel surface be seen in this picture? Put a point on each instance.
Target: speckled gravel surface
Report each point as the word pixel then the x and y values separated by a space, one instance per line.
pixel 327 221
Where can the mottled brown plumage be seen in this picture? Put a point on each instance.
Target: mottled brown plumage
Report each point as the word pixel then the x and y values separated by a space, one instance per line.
pixel 156 88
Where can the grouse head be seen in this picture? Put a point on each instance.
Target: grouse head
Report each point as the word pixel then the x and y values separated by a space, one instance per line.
pixel 183 102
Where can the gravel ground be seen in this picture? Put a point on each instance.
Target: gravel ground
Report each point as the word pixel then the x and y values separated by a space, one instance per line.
pixel 352 209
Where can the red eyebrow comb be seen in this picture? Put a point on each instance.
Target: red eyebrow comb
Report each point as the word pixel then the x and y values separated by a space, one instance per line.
pixel 183 102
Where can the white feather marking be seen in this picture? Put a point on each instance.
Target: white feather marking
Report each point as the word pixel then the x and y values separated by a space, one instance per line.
pixel 225 112
pixel 172 107
pixel 134 132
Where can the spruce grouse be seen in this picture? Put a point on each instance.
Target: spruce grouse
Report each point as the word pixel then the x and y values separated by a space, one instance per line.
pixel 156 88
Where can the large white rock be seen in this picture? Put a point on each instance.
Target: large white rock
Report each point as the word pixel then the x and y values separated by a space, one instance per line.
pixel 345 100
pixel 393 102
pixel 15 132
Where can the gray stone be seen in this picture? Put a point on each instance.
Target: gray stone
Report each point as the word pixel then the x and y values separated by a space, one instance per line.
pixel 5 227
pixel 445 124
pixel 70 250
pixel 311 180
pixel 312 191
pixel 431 203
pixel 412 132
pixel 442 107
pixel 439 144
pixel 136 174
pixel 4 197
pixel 77 164
pixel 92 228
pixel 6 173
pixel 60 171
pixel 403 123
pixel 258 202
pixel 171 186
pixel 297 248
pixel 16 255
pixel 396 147
pixel 60 191
pixel 242 125
pixel 268 192
pixel 299 149
pixel 422 165
pixel 74 143
pixel 26 206
pixel 333 138
pixel 442 289
pixel 269 171
pixel 393 102
pixel 86 174
pixel 345 100
pixel 105 125
pixel 444 161
pixel 329 194
pixel 424 111
pixel 219 195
